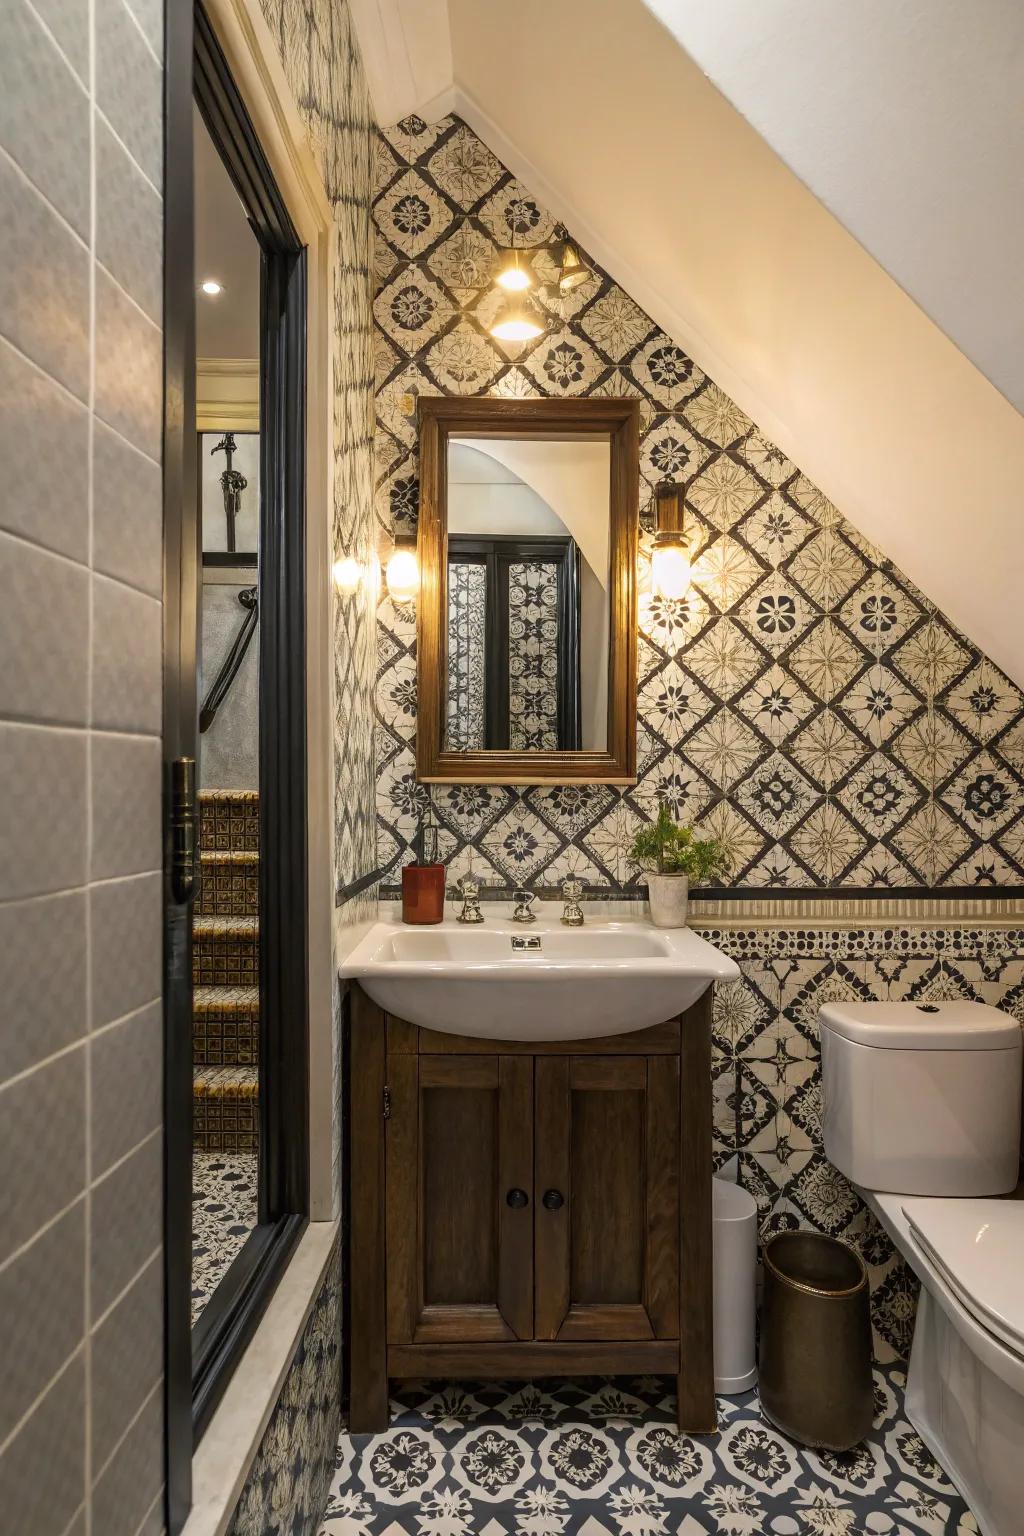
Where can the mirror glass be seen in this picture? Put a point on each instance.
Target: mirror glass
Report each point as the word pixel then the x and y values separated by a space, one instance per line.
pixel 528 594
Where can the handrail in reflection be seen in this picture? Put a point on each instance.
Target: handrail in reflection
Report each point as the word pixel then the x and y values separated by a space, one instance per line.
pixel 232 661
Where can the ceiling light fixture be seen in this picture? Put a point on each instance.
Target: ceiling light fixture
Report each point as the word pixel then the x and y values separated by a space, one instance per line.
pixel 671 568
pixel 212 287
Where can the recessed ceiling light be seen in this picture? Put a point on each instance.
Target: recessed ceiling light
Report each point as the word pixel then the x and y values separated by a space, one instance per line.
pixel 211 287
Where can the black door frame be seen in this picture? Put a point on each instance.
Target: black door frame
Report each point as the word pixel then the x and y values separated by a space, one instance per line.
pixel 199 1365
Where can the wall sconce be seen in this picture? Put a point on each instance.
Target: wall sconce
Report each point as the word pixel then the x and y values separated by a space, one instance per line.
pixel 347 573
pixel 402 572
pixel 572 269
pixel 671 570
pixel 518 319
pixel 512 272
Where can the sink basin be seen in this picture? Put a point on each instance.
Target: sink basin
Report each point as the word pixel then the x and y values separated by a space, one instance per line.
pixel 539 981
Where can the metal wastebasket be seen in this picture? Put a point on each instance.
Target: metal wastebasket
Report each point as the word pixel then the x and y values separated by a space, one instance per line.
pixel 815 1357
pixel 734 1218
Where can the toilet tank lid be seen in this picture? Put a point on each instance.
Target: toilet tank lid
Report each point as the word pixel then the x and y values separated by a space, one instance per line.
pixel 923 1026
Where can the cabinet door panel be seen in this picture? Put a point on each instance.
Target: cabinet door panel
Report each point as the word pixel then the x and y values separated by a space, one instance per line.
pixel 608 1145
pixel 459 1257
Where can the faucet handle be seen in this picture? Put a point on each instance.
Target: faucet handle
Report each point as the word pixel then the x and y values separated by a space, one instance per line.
pixel 572 912
pixel 469 890
pixel 523 912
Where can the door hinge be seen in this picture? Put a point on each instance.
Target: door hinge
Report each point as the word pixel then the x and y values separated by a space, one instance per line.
pixel 387 1103
pixel 183 828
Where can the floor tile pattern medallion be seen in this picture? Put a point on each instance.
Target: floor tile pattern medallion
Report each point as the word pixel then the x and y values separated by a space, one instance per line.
pixel 805 703
pixel 596 1458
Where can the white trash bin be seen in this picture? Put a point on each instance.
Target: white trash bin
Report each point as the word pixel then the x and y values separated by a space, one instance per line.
pixel 734 1214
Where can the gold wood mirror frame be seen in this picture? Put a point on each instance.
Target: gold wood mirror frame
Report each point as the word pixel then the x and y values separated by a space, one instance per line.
pixel 616 421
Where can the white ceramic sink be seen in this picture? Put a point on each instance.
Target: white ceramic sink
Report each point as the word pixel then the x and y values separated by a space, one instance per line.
pixel 609 977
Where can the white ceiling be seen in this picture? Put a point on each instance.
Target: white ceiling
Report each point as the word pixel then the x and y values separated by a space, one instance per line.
pixel 624 137
pixel 227 251
pixel 906 118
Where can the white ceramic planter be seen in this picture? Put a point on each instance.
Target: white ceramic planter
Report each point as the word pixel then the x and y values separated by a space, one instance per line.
pixel 669 896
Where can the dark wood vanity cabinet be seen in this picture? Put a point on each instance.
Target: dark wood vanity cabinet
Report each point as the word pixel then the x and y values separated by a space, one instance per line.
pixel 534 1208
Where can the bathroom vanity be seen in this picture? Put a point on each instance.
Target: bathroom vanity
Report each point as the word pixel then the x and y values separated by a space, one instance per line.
pixel 524 1208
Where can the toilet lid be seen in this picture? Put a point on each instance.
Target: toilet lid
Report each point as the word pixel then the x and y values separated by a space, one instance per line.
pixel 979 1247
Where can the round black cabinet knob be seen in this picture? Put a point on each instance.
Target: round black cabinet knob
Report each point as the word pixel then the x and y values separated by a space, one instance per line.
pixel 553 1199
pixel 517 1198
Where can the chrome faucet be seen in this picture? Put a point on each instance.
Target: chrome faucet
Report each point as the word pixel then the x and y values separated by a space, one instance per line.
pixel 523 912
pixel 572 912
pixel 469 890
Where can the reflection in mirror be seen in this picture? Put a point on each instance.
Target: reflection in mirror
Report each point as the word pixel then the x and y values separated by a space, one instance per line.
pixel 528 602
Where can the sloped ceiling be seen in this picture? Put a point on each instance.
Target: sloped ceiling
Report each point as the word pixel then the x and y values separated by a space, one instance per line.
pixel 620 132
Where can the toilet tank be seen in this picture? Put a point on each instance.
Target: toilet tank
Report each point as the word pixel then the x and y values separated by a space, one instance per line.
pixel 922 1098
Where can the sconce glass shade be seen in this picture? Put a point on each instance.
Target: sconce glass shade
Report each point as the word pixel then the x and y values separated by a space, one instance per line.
pixel 671 571
pixel 518 319
pixel 573 270
pixel 402 575
pixel 512 272
pixel 348 573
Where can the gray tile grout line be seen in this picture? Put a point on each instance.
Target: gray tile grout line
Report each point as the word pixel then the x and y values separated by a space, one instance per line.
pixel 75 400
pixel 87 885
pixel 149 1511
pixel 44 26
pixel 74 1517
pixel 123 1292
pixel 80 565
pixel 136 1416
pixel 59 1215
pixel 149 46
pixel 75 1045
pixel 105 120
pixel 90 451
pixel 13 1434
pixel 87 246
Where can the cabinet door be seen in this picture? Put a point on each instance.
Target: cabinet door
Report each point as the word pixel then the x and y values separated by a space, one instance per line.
pixel 606 1219
pixel 459 1170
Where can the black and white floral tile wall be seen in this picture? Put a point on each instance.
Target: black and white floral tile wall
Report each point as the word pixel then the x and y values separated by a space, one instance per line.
pixel 321 61
pixel 805 703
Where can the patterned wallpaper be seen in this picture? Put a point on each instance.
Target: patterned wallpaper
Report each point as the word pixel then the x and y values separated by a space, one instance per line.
pixel 323 68
pixel 805 703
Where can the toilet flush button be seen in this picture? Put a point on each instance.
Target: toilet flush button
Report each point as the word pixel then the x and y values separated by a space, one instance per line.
pixel 927 1008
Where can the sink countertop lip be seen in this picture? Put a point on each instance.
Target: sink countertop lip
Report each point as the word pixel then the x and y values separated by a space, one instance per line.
pixel 688 951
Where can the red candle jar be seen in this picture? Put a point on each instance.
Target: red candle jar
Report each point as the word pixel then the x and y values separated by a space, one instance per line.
pixel 423 893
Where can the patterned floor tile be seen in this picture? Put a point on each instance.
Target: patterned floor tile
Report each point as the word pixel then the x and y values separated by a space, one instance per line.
pixel 603 1458
pixel 224 1200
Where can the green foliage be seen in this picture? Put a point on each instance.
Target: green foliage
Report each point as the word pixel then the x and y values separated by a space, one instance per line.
pixel 673 850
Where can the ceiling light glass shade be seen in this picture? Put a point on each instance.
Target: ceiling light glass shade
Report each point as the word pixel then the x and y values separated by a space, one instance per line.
pixel 518 319
pixel 573 270
pixel 513 273
pixel 402 575
pixel 348 573
pixel 671 571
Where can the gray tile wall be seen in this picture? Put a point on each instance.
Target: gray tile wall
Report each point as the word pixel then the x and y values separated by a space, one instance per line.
pixel 81 1307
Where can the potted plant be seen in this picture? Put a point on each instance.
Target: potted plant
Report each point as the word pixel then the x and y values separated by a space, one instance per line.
pixel 675 859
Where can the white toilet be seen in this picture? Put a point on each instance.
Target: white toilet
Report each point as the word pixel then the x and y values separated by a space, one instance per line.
pixel 922 1112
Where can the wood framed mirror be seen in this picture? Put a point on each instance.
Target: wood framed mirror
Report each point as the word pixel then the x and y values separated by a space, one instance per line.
pixel 527 610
